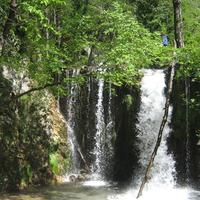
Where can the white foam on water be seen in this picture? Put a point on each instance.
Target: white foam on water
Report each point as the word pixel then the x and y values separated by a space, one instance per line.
pixel 154 194
pixel 97 183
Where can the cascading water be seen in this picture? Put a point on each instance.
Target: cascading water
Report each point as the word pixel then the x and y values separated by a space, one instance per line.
pixel 107 136
pixel 109 125
pixel 100 126
pixel 71 125
pixel 98 151
pixel 161 183
pixel 103 148
pixel 150 116
pixel 187 97
pixel 110 121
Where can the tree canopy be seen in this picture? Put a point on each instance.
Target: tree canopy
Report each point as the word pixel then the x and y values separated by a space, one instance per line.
pixel 113 39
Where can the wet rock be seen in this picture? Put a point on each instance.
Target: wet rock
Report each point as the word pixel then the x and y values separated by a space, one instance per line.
pixel 72 178
pixel 79 177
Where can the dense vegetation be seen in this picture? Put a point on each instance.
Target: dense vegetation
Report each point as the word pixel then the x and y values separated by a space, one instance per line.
pixel 113 39
pixel 47 37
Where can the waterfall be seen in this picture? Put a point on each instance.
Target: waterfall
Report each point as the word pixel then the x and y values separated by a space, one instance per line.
pixel 150 117
pixel 103 150
pixel 108 148
pixel 100 126
pixel 162 180
pixel 71 125
pixel 110 124
pixel 187 97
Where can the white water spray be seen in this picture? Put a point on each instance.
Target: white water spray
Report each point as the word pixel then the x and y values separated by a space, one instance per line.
pixel 150 117
pixel 109 126
pixel 100 126
pixel 103 149
pixel 71 125
pixel 161 184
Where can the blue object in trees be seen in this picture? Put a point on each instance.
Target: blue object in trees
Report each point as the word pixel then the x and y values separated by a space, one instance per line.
pixel 165 40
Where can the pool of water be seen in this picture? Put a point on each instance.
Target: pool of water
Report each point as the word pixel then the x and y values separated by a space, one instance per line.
pixel 65 191
pixel 99 191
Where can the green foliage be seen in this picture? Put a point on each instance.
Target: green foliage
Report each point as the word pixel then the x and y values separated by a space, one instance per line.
pixel 52 37
pixel 189 57
pixel 126 46
pixel 131 43
pixel 54 162
pixel 60 162
pixel 27 175
pixel 128 100
pixel 156 15
pixel 191 12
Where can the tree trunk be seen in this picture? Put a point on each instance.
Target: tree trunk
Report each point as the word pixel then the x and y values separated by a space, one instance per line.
pixel 178 23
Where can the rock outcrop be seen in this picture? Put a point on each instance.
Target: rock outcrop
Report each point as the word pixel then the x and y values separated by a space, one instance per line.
pixel 33 136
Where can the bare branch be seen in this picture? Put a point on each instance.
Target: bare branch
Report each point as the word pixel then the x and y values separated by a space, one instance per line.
pixel 37 89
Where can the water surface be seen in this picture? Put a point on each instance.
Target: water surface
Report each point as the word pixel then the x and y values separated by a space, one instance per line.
pixel 70 191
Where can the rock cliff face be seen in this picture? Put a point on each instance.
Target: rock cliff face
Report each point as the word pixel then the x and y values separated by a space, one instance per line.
pixel 184 139
pixel 33 136
pixel 104 127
